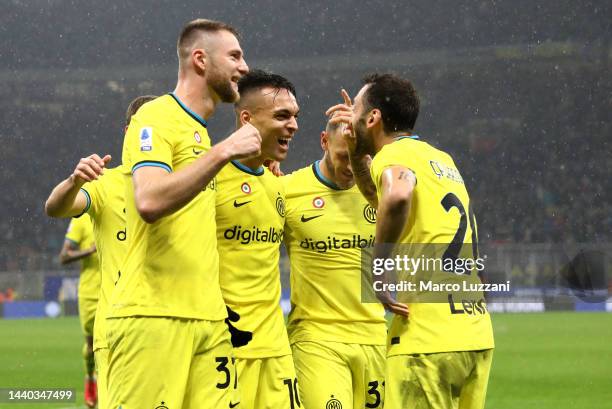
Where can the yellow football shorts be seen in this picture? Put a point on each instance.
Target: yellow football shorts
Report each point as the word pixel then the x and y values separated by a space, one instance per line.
pixel 446 380
pixel 336 375
pixel 170 363
pixel 268 383
pixel 101 357
pixel 87 313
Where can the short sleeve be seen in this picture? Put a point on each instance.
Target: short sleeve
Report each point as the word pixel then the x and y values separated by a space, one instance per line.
pixel 75 231
pixel 95 197
pixel 148 142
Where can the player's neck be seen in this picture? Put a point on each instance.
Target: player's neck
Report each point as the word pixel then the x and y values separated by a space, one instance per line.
pixel 195 96
pixel 253 163
pixel 386 138
pixel 326 171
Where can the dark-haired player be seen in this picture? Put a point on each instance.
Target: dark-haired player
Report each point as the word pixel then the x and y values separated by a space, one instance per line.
pixel 250 219
pixel 439 354
pixel 98 192
pixel 168 343
pixel 338 342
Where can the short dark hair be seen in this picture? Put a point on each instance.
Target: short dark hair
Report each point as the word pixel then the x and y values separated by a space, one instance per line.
pixel 257 79
pixel 396 99
pixel 189 33
pixel 135 106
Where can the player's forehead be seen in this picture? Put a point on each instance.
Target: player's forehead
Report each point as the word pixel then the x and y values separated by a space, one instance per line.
pixel 222 41
pixel 277 100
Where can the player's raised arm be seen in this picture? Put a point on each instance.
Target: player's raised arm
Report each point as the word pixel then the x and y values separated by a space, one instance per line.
pixel 158 193
pixel 397 185
pixel 360 160
pixel 67 199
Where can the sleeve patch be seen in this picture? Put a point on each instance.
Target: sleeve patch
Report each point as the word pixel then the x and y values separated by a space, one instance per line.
pixel 146 139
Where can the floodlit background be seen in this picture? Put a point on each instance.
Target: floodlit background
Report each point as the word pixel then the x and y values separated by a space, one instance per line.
pixel 518 92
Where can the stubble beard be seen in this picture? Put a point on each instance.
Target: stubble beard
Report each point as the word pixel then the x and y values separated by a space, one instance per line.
pixel 222 86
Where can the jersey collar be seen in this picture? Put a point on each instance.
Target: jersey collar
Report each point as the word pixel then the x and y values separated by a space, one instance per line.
pixel 398 138
pixel 255 172
pixel 319 175
pixel 189 111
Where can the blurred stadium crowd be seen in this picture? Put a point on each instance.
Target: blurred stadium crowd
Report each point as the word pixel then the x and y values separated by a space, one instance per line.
pixel 528 121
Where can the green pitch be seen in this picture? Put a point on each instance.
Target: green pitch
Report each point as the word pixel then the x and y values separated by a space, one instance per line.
pixel 543 361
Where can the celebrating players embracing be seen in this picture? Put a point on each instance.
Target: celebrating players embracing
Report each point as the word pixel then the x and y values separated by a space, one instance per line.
pixel 436 358
pixel 99 192
pixel 168 342
pixel 338 342
pixel 250 220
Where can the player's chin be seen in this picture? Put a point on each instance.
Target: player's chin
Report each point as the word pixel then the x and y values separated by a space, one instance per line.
pixel 279 155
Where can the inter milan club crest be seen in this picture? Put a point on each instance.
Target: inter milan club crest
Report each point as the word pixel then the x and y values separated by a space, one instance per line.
pixel 246 188
pixel 318 202
pixel 162 406
pixel 369 213
pixel 197 137
pixel 333 403
pixel 280 206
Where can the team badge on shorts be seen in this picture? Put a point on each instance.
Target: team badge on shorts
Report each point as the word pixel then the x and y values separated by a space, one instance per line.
pixel 246 188
pixel 318 202
pixel 333 403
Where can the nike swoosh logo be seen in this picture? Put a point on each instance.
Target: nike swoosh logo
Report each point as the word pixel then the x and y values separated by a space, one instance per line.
pixel 233 405
pixel 307 219
pixel 197 152
pixel 236 204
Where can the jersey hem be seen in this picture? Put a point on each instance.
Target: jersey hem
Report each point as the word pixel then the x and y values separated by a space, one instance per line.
pixel 164 314
pixel 417 351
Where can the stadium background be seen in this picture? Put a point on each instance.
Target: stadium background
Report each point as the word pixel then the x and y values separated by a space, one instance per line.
pixel 519 92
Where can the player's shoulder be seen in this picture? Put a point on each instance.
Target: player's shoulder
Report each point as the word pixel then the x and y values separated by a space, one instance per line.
pixel 297 180
pixel 153 107
pixel 157 113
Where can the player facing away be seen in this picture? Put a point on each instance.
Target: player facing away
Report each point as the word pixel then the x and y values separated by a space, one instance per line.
pixel 99 192
pixel 250 219
pixel 439 354
pixel 338 342
pixel 79 245
pixel 168 343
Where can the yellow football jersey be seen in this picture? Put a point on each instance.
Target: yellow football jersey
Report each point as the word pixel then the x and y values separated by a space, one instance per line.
pixel 250 219
pixel 106 207
pixel 80 232
pixel 172 265
pixel 439 209
pixel 325 230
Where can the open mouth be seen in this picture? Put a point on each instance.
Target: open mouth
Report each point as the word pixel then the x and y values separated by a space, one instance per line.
pixel 283 142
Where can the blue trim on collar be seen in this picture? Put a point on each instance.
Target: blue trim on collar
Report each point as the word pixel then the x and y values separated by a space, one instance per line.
pixel 407 137
pixel 255 172
pixel 189 111
pixel 317 171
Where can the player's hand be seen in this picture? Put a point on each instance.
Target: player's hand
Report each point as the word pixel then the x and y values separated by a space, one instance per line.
pixel 90 168
pixel 244 143
pixel 392 305
pixel 93 249
pixel 274 167
pixel 343 114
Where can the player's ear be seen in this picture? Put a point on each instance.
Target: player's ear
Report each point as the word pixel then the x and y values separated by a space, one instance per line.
pixel 199 59
pixel 374 117
pixel 245 117
pixel 324 140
